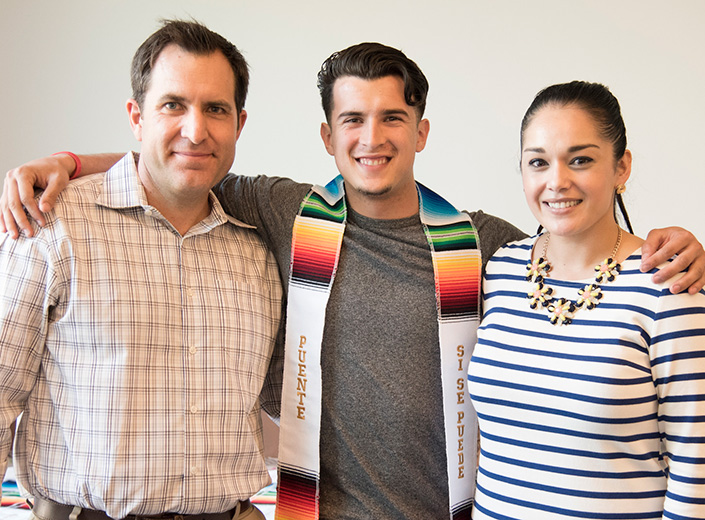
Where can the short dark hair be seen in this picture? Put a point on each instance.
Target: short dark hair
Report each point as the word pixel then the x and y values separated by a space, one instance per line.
pixel 595 98
pixel 192 37
pixel 373 61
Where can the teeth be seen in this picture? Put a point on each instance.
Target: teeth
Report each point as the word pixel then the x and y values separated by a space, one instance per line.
pixel 561 205
pixel 372 162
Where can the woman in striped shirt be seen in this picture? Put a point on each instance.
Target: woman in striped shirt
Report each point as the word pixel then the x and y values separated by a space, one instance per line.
pixel 588 378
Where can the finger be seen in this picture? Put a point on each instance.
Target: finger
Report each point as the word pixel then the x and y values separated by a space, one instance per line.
pixel 646 251
pixel 3 227
pixel 25 195
pixel 657 258
pixel 19 198
pixel 696 287
pixel 679 264
pixel 693 280
pixel 9 223
pixel 19 219
pixel 51 193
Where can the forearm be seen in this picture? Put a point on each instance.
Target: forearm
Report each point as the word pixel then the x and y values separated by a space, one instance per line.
pixel 94 163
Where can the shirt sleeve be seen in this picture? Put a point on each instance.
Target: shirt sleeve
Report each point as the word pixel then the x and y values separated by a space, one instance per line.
pixel 268 203
pixel 493 233
pixel 270 397
pixel 677 352
pixel 27 282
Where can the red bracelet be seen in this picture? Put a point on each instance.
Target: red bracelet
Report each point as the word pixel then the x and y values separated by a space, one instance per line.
pixel 75 158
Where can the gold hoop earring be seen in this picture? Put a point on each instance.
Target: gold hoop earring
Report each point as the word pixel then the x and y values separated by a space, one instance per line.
pixel 620 188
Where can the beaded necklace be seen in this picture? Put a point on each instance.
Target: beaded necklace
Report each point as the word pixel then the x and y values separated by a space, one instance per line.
pixel 561 311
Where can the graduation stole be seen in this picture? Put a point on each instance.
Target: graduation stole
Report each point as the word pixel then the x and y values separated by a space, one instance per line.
pixel 315 250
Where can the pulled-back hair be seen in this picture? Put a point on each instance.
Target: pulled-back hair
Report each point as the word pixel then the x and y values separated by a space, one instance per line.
pixel 373 61
pixel 595 98
pixel 192 37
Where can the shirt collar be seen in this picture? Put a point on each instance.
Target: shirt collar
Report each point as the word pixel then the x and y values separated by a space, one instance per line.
pixel 122 189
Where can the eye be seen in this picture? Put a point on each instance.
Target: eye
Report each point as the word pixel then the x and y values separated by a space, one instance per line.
pixel 537 163
pixel 352 120
pixel 581 161
pixel 218 110
pixel 171 105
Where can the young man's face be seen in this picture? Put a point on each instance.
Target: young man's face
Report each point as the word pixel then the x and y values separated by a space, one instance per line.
pixel 188 124
pixel 374 136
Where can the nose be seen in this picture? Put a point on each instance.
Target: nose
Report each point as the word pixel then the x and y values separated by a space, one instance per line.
pixel 559 177
pixel 194 126
pixel 372 134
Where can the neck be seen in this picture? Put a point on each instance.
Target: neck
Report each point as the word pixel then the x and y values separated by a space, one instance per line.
pixel 182 217
pixel 574 257
pixel 182 210
pixel 384 206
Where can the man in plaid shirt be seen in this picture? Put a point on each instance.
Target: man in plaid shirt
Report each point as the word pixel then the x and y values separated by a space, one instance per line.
pixel 138 325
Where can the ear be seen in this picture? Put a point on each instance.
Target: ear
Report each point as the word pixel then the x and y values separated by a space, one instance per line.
pixel 242 117
pixel 423 128
pixel 624 167
pixel 327 136
pixel 135 115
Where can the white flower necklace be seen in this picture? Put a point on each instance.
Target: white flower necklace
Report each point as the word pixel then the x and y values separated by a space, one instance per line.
pixel 561 311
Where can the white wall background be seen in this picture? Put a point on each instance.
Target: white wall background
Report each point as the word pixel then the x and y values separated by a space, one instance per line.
pixel 65 77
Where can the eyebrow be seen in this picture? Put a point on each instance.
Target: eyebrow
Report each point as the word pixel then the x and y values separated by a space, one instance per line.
pixel 572 149
pixel 389 112
pixel 181 99
pixel 171 97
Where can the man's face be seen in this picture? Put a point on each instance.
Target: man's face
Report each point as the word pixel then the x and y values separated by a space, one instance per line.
pixel 374 136
pixel 188 125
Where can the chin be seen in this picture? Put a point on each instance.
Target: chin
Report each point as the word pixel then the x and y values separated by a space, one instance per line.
pixel 375 193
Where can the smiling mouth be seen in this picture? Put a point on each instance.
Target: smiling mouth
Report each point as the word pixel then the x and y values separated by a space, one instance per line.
pixel 192 153
pixel 373 162
pixel 563 205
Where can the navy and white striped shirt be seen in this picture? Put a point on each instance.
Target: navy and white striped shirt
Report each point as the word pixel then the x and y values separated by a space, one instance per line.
pixel 602 418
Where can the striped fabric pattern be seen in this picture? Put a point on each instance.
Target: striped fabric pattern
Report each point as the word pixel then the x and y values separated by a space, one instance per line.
pixel 456 259
pixel 602 418
pixel 315 250
pixel 297 493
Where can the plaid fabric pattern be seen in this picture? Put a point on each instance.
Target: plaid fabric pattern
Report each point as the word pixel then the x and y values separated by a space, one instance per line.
pixel 137 356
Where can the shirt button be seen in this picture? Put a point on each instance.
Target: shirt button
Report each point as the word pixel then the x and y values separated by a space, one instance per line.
pixel 148 212
pixel 193 350
pixel 194 409
pixel 194 471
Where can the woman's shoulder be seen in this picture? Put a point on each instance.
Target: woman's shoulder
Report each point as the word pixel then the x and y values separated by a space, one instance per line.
pixel 512 256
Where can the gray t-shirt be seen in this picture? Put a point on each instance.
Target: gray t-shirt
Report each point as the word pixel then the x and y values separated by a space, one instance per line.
pixel 383 452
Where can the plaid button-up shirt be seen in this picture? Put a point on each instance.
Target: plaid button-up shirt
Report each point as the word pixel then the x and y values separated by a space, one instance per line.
pixel 136 355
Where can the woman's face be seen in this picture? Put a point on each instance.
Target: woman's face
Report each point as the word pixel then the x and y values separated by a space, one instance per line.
pixel 569 172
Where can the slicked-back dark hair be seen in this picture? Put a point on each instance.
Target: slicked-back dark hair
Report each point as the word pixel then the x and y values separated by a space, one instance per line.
pixel 595 98
pixel 373 61
pixel 192 37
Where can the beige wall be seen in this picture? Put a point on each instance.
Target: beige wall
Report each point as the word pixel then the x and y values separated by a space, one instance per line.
pixel 65 79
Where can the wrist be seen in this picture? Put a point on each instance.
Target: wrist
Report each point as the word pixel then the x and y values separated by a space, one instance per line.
pixel 74 171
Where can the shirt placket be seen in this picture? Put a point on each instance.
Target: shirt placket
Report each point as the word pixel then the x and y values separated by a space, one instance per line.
pixel 194 359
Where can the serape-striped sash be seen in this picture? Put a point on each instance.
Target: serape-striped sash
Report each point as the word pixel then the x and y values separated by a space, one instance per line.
pixel 315 251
